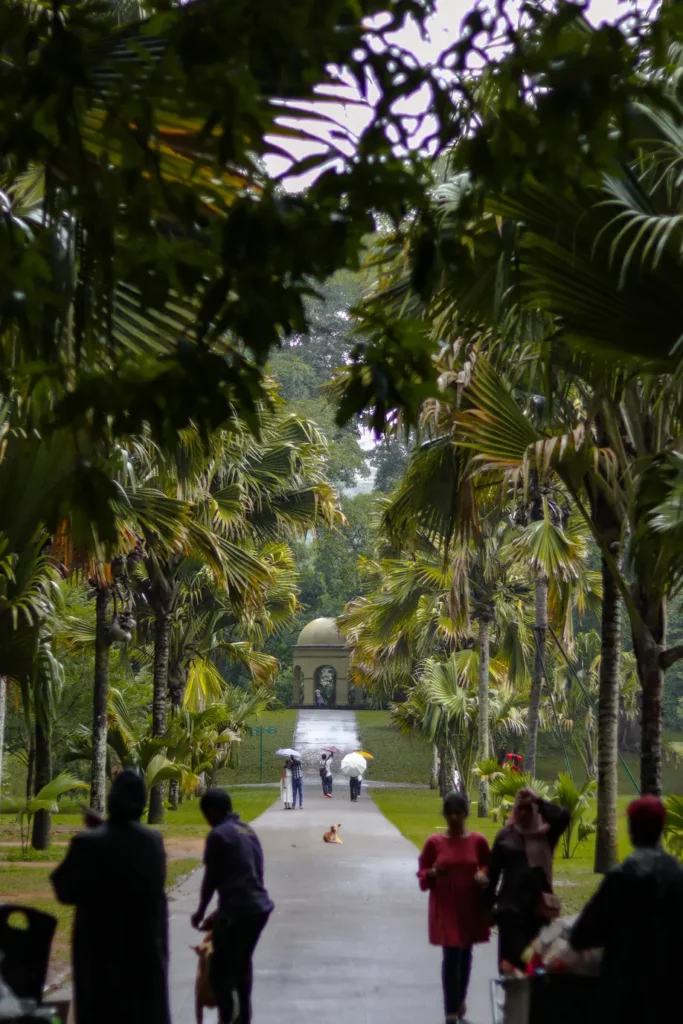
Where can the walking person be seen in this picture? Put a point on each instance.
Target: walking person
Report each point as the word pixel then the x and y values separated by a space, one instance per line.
pixel 297 783
pixel 114 874
pixel 636 918
pixel 453 869
pixel 326 774
pixel 355 782
pixel 522 862
pixel 233 868
pixel 286 785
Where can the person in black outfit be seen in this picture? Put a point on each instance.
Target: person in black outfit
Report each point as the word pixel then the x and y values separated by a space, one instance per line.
pixel 522 862
pixel 114 873
pixel 636 918
pixel 233 861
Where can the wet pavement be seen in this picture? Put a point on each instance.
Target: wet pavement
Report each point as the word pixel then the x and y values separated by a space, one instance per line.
pixel 348 937
pixel 318 729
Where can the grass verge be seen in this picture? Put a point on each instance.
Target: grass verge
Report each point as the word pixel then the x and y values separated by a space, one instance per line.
pixel 416 813
pixel 401 759
pixel 284 722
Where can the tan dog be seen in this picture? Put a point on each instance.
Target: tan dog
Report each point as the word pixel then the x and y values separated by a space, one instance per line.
pixel 203 993
pixel 333 835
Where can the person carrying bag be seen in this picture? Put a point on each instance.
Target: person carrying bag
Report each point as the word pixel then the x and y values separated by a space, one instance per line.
pixel 520 887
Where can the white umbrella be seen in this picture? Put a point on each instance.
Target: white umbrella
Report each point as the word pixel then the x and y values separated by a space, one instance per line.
pixel 287 752
pixel 354 765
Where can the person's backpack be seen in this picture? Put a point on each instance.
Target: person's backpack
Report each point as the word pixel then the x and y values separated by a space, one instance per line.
pixel 323 771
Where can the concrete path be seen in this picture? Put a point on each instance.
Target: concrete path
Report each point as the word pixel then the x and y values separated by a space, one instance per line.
pixel 348 938
pixel 316 729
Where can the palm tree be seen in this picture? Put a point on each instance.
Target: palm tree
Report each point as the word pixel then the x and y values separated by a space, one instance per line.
pixel 243 492
pixel 444 708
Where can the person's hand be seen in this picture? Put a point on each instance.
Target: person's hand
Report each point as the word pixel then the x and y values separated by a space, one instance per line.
pixel 196 920
pixel 481 878
pixel 436 872
pixel 526 794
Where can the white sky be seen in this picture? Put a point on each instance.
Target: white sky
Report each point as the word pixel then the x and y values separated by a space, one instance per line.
pixel 443 31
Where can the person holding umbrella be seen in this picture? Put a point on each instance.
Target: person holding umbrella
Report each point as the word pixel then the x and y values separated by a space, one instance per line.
pixel 354 765
pixel 294 757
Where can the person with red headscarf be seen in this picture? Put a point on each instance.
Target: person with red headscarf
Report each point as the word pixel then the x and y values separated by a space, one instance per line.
pixel 636 917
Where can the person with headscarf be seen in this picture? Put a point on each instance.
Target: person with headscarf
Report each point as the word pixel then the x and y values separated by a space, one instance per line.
pixel 521 875
pixel 115 874
pixel 636 918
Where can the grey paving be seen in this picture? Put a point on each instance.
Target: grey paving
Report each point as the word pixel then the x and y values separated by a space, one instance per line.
pixel 348 938
pixel 315 729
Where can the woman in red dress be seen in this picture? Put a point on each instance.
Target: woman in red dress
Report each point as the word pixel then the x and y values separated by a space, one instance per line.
pixel 453 868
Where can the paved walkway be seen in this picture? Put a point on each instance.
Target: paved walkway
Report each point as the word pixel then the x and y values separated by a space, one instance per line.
pixel 315 729
pixel 347 940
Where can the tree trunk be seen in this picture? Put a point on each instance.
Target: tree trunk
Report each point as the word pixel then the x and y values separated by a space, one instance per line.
pixel 483 805
pixel 3 718
pixel 30 767
pixel 648 643
pixel 652 681
pixel 606 851
pixel 42 822
pixel 540 635
pixel 434 775
pixel 445 771
pixel 173 794
pixel 162 633
pixel 98 774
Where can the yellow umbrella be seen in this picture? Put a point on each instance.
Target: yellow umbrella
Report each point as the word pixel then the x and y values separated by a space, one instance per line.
pixel 364 753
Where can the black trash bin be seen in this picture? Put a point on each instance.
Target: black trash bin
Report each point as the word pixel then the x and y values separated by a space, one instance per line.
pixel 25 943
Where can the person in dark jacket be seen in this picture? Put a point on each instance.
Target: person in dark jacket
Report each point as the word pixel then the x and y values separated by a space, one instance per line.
pixel 114 873
pixel 636 918
pixel 233 868
pixel 522 872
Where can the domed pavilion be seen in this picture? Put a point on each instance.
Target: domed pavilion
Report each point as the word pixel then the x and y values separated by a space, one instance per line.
pixel 321 667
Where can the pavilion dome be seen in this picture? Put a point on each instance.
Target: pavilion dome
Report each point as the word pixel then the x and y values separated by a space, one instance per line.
pixel 320 633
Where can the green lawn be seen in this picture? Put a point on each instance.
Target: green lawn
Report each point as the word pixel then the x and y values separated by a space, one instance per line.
pixel 249 753
pixel 29 883
pixel 417 814
pixel 400 759
pixel 396 758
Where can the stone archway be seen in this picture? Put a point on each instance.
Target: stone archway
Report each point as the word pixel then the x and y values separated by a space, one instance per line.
pixel 321 649
pixel 325 684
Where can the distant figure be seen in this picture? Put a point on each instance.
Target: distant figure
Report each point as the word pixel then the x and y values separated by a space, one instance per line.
pixel 319 699
pixel 522 861
pixel 453 869
pixel 297 783
pixel 636 917
pixel 456 780
pixel 286 785
pixel 513 761
pixel 233 869
pixel 326 774
pixel 114 874
pixel 355 783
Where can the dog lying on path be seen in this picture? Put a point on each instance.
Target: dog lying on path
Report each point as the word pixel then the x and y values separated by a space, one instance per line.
pixel 332 836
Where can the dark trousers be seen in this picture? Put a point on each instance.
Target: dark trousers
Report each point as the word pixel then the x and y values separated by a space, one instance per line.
pixel 354 787
pixel 298 787
pixel 515 931
pixel 234 942
pixel 455 977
